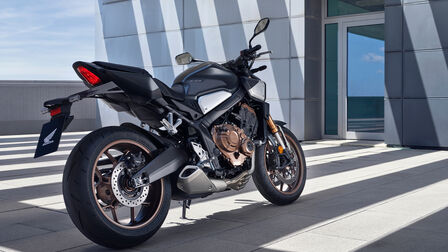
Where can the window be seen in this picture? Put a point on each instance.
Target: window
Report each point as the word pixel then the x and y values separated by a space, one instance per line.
pixel 346 7
pixel 365 78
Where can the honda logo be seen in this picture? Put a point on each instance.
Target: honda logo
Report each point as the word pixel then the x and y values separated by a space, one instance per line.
pixel 47 140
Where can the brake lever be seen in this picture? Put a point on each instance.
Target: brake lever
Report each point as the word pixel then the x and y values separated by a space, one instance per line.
pixel 257 56
pixel 263 53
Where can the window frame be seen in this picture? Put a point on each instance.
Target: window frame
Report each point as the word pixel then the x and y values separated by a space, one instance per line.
pixel 325 12
pixel 341 21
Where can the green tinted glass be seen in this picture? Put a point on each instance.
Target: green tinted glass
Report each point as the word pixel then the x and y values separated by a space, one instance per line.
pixel 331 79
pixel 346 7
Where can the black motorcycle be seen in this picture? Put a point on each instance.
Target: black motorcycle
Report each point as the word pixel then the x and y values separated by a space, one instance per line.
pixel 210 132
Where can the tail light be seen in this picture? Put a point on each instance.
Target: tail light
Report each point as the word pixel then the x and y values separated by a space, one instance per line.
pixel 55 111
pixel 90 77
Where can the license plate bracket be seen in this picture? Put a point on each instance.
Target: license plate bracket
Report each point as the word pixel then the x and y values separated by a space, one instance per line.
pixel 50 135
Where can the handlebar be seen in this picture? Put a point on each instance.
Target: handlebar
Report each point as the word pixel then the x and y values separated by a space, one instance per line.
pixel 243 64
pixel 261 68
pixel 253 49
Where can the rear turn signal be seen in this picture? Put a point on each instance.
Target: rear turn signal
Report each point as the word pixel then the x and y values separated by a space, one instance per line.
pixel 90 77
pixel 55 111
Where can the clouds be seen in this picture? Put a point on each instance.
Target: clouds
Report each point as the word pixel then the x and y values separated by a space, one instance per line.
pixel 74 8
pixel 52 9
pixel 46 33
pixel 372 57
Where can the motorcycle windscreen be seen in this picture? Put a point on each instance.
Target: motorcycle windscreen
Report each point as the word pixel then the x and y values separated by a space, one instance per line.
pixel 50 135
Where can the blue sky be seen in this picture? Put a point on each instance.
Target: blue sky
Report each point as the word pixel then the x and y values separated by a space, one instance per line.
pixel 40 39
pixel 365 71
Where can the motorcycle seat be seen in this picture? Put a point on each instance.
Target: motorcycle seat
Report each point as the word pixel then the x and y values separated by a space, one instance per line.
pixel 118 67
pixel 176 92
pixel 141 76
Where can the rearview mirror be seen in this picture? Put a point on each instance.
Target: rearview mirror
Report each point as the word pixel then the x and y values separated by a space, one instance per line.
pixel 184 58
pixel 261 26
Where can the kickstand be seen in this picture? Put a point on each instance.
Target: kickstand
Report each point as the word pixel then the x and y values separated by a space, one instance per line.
pixel 185 204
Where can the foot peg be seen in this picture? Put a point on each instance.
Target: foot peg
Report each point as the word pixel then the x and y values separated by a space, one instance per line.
pixel 169 124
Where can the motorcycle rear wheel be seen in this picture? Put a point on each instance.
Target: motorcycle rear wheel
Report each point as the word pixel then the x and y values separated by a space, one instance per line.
pixel 90 198
pixel 266 175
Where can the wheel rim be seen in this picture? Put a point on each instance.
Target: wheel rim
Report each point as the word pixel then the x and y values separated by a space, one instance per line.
pixel 117 213
pixel 292 173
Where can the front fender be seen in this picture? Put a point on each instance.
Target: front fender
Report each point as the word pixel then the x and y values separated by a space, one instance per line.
pixel 279 123
pixel 282 124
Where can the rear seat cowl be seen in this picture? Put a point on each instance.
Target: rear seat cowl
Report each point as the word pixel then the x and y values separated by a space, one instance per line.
pixel 118 67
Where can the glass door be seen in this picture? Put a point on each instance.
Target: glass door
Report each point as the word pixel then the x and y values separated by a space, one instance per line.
pixel 363 81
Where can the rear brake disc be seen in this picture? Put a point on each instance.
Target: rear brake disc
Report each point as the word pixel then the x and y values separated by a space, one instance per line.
pixel 126 195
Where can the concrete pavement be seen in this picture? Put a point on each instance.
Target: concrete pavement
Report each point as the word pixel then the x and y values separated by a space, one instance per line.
pixel 359 196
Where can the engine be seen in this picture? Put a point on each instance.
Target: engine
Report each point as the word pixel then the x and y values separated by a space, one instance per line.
pixel 234 139
pixel 233 143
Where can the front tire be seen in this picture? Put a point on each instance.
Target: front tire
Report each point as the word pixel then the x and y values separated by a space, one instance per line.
pixel 275 190
pixel 92 203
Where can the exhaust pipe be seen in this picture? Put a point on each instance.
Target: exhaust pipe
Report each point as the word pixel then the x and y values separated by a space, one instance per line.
pixel 193 180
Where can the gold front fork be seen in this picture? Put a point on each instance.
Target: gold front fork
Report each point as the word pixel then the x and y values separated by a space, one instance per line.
pixel 276 133
pixel 272 126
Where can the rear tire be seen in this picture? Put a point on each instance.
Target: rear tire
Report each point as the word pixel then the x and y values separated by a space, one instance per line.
pixel 263 180
pixel 81 193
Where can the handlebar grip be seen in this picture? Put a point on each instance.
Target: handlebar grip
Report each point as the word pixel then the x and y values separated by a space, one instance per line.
pixel 261 68
pixel 254 49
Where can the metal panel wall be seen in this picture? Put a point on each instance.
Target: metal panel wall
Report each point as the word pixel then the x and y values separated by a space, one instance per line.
pixel 150 33
pixel 416 73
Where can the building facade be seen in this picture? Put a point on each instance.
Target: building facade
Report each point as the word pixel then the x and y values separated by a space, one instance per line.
pixel 345 69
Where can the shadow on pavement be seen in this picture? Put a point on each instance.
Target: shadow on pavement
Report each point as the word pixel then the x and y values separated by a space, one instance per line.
pixel 258 223
pixel 254 223
pixel 414 237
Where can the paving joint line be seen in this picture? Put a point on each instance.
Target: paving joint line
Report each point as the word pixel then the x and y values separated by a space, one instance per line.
pixel 82 245
pixel 207 235
pixel 52 210
pixel 27 237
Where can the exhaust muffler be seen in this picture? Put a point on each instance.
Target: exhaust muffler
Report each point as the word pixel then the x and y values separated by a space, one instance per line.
pixel 193 180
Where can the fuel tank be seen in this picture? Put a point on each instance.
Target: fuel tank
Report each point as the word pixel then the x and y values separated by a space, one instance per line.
pixel 206 86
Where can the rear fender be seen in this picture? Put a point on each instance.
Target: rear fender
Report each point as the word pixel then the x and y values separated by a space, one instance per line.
pixel 59 110
pixel 106 88
pixel 61 106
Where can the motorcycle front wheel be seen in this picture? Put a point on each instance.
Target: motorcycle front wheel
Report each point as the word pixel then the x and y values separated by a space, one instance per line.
pixel 98 196
pixel 279 180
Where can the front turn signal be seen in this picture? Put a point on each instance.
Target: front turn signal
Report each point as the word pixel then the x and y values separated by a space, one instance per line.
pixel 280 149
